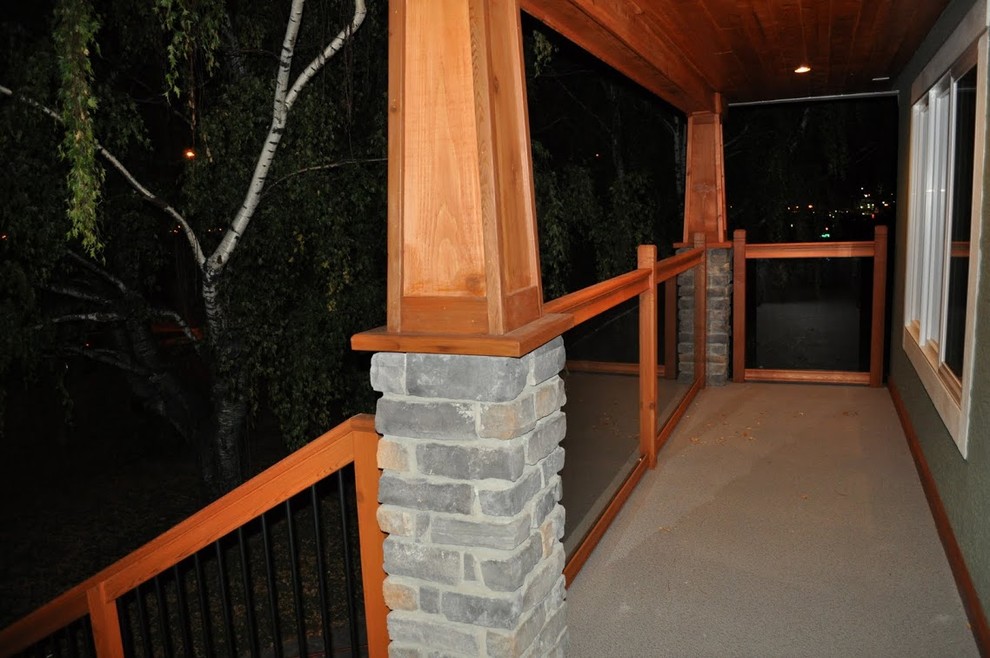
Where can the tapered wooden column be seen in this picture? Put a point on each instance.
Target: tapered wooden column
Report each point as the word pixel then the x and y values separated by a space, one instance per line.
pixel 463 253
pixel 704 203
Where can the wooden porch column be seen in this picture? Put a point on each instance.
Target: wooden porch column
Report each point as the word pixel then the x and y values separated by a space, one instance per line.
pixel 463 252
pixel 704 190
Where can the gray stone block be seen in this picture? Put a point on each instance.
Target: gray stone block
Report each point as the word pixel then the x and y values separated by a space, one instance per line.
pixel 552 464
pixel 416 628
pixel 489 611
pixel 546 361
pixel 548 434
pixel 508 574
pixel 546 500
pixel 393 455
pixel 507 420
pixel 549 397
pixel 431 419
pixel 470 567
pixel 542 580
pixel 460 377
pixel 552 639
pixel 416 560
pixel 419 494
pixel 388 373
pixel 510 500
pixel 397 521
pixel 470 462
pixel 486 534
pixel 512 644
pixel 429 600
pixel 398 650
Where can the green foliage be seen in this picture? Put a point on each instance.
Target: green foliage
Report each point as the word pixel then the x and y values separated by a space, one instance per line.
pixel 75 31
pixel 603 165
pixel 193 27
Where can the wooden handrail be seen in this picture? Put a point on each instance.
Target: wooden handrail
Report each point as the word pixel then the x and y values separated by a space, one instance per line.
pixel 668 268
pixel 863 249
pixel 305 467
pixel 594 300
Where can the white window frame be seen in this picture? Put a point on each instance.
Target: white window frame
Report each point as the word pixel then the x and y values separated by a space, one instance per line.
pixel 929 220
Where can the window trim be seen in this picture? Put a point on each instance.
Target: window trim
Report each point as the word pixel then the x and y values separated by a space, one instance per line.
pixel 949 394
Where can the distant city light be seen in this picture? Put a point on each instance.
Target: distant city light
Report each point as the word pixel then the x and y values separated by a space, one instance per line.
pixel 189 154
pixel 804 68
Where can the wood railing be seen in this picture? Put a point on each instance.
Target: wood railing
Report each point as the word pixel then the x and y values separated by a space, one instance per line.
pixel 595 300
pixel 354 441
pixel 875 249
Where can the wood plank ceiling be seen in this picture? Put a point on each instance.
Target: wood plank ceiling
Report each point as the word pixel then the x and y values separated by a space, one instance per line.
pixel 686 51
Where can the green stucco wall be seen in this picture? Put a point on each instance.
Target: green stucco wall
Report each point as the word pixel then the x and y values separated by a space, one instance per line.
pixel 964 485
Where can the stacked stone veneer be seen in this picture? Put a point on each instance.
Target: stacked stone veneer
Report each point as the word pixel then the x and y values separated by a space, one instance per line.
pixel 719 321
pixel 470 496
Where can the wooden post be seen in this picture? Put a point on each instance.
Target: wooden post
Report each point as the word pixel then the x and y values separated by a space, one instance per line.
pixel 106 624
pixel 372 539
pixel 463 253
pixel 701 313
pixel 646 257
pixel 670 328
pixel 739 305
pixel 877 326
pixel 704 203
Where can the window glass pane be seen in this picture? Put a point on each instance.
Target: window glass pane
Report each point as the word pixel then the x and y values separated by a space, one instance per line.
pixel 962 208
pixel 920 176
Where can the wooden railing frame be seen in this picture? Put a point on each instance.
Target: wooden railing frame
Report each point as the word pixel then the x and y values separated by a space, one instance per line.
pixel 354 441
pixel 875 249
pixel 595 300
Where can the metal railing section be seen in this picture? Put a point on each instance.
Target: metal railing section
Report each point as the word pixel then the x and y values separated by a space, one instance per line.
pixel 247 575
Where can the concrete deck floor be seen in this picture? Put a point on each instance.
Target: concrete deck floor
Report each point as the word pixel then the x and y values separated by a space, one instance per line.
pixel 782 520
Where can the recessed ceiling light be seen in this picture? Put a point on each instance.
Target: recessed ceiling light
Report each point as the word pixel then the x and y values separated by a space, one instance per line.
pixel 804 68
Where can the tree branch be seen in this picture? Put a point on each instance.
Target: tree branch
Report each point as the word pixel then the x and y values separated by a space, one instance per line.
pixel 182 324
pixel 108 357
pixel 100 272
pixel 329 165
pixel 144 192
pixel 95 316
pixel 221 255
pixel 75 293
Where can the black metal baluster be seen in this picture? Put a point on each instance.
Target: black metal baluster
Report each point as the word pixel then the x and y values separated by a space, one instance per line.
pixel 348 573
pixel 163 624
pixel 185 629
pixel 321 572
pixel 204 608
pixel 248 591
pixel 88 641
pixel 124 623
pixel 70 639
pixel 145 627
pixel 228 624
pixel 272 593
pixel 297 599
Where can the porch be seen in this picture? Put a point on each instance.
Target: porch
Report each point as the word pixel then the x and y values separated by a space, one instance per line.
pixel 781 520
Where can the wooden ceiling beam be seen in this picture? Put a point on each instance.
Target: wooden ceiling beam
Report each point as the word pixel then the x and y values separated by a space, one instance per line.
pixel 618 33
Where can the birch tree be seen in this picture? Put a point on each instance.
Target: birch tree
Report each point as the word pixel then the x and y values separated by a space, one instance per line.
pixel 213 242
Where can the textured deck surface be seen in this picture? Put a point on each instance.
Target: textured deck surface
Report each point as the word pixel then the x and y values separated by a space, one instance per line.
pixel 782 520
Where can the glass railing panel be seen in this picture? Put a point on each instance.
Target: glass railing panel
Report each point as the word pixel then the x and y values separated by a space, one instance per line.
pixel 809 314
pixel 601 380
pixel 672 384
